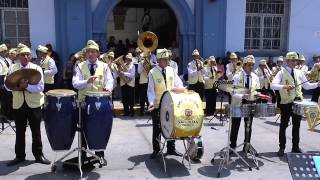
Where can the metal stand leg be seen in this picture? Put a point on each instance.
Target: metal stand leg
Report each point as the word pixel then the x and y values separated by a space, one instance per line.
pixel 224 154
pixel 3 127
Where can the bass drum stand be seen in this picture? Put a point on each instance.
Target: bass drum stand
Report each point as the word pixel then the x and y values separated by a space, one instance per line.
pixel 79 149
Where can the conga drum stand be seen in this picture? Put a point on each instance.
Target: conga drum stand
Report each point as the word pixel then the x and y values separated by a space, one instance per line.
pixel 224 153
pixel 79 149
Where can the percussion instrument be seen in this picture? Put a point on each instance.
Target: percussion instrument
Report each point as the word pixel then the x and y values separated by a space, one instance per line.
pixel 195 146
pixel 97 119
pixel 265 110
pixel 60 118
pixel 181 114
pixel 234 110
pixel 299 107
pixel 12 81
pixel 247 110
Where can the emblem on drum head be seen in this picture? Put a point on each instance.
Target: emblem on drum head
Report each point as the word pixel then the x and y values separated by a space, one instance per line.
pixel 58 105
pixel 98 104
pixel 188 112
pixel 167 116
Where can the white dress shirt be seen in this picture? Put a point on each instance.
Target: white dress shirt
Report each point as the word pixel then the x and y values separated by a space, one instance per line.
pixel 236 78
pixel 151 91
pixel 130 74
pixel 192 72
pixel 52 67
pixel 30 88
pixel 79 82
pixel 276 83
pixel 206 76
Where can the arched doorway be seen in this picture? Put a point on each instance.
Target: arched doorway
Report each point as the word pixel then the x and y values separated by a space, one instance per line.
pixel 184 32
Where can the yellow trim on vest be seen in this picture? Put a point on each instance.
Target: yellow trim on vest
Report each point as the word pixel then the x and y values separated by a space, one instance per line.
pixel 208 84
pixel 241 84
pixel 289 96
pixel 130 83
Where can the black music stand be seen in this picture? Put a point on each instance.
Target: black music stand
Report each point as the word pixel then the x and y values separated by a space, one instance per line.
pixel 79 149
pixel 301 166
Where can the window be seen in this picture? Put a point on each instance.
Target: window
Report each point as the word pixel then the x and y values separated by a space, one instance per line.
pixel 14 21
pixel 266 25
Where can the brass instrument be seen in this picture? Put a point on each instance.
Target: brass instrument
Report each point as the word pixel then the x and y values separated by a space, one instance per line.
pixel 312 75
pixel 268 74
pixel 147 42
pixel 121 67
pixel 237 67
pixel 80 55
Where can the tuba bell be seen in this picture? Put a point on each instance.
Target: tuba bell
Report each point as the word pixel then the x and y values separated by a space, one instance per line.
pixel 147 42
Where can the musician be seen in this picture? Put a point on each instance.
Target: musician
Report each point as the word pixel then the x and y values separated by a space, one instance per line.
pixel 143 69
pixel 92 75
pixel 12 55
pixel 172 63
pixel 275 70
pixel 314 75
pixel 289 82
pixel 245 78
pixel 265 75
pixel 127 83
pixel 195 73
pixel 4 54
pixel 27 108
pixel 232 67
pixel 300 64
pixel 210 91
pixel 161 78
pixel 48 66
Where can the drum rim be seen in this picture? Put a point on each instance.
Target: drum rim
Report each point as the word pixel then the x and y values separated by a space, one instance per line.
pixel 95 94
pixel 71 93
pixel 167 91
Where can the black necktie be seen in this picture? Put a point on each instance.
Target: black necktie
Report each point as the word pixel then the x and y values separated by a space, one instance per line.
pixel 164 76
pixel 247 82
pixel 292 74
pixel 211 71
pixel 92 71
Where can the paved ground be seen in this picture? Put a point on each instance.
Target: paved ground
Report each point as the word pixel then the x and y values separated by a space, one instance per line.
pixel 130 146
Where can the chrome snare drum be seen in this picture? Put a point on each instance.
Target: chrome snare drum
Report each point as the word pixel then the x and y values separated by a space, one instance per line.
pixel 265 110
pixel 235 110
pixel 299 107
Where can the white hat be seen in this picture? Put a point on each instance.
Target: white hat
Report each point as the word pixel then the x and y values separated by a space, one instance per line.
pixel 91 44
pixel 212 58
pixel 195 53
pixel 3 47
pixel 129 56
pixel 233 56
pixel 302 58
pixel 22 48
pixel 263 62
pixel 249 59
pixel 280 58
pixel 111 54
pixel 42 49
pixel 162 53
pixel 292 55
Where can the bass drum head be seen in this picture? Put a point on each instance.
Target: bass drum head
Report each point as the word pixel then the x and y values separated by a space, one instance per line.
pixel 166 114
pixel 61 93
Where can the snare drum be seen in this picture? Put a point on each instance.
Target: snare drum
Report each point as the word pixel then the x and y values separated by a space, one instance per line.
pixel 234 110
pixel 265 110
pixel 299 107
pixel 181 114
pixel 60 118
pixel 97 120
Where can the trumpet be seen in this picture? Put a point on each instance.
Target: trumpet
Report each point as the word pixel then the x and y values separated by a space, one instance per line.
pixel 237 66
pixel 122 67
pixel 268 73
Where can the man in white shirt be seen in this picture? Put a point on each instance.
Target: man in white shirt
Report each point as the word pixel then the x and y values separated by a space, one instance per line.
pixel 161 78
pixel 289 81
pixel 195 73
pixel 300 64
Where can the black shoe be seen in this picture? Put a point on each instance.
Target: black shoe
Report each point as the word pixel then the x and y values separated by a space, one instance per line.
pixel 174 153
pixel 103 161
pixel 280 153
pixel 42 160
pixel 153 155
pixel 15 161
pixel 296 150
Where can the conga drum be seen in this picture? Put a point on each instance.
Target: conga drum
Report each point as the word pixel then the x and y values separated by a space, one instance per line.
pixel 60 118
pixel 181 114
pixel 97 119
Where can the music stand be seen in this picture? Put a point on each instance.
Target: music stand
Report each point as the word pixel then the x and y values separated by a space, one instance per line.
pixel 302 166
pixel 4 120
pixel 79 149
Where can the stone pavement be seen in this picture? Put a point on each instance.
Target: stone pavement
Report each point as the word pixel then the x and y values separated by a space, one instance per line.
pixel 130 146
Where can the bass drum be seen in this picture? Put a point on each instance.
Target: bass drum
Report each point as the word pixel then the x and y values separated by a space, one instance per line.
pixel 181 114
pixel 195 147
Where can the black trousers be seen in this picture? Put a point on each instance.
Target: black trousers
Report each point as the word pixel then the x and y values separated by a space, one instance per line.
pixel 48 87
pixel 286 113
pixel 211 98
pixel 127 99
pixel 278 98
pixel 143 88
pixel 33 116
pixel 6 103
pixel 198 88
pixel 315 94
pixel 235 129
pixel 156 130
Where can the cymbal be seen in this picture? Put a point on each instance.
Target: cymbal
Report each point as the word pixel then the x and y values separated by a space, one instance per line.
pixel 232 89
pixel 13 80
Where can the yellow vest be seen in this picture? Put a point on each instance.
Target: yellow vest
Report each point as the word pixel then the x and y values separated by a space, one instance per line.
pixel 98 83
pixel 288 96
pixel 263 82
pixel 208 84
pixel 131 82
pixel 33 100
pixel 143 75
pixel 4 68
pixel 241 84
pixel 231 67
pixel 48 79
pixel 159 84
pixel 196 78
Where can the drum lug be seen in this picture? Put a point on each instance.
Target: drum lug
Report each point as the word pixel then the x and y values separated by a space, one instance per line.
pixel 88 110
pixel 98 104
pixel 58 105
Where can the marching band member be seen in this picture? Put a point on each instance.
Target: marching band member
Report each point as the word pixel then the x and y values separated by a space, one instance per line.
pixel 232 67
pixel 4 54
pixel 275 70
pixel 210 92
pixel 92 75
pixel 127 83
pixel 289 82
pixel 314 75
pixel 144 67
pixel 265 75
pixel 12 55
pixel 195 73
pixel 300 64
pixel 48 66
pixel 245 78
pixel 172 63
pixel 161 78
pixel 27 108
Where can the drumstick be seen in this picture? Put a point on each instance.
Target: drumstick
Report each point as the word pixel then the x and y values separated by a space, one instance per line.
pixel 304 82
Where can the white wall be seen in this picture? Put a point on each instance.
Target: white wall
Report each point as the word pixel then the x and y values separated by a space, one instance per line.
pixel 133 23
pixel 304 27
pixel 42 22
pixel 235 25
